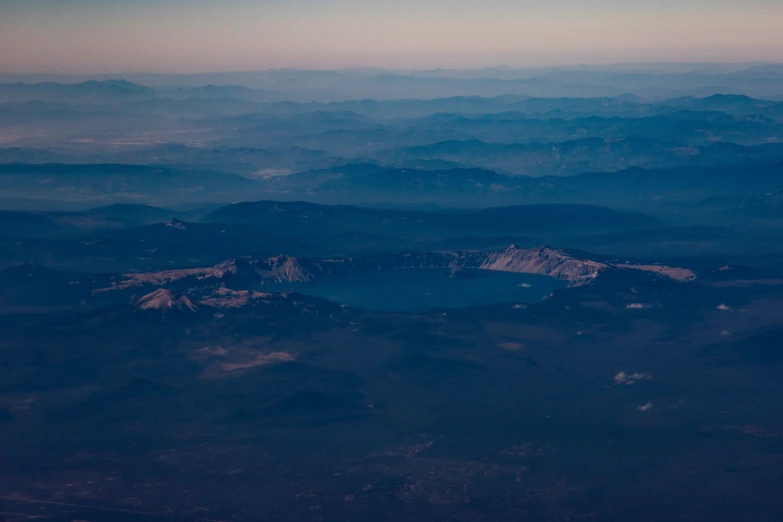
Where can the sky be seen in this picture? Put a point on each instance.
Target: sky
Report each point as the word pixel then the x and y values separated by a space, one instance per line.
pixel 187 36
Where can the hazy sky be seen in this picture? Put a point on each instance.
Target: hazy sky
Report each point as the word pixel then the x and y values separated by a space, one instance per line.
pixel 100 36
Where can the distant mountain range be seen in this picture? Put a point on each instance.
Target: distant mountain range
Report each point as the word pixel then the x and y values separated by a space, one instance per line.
pixel 369 183
pixel 585 155
pixel 94 184
pixel 642 79
pixel 245 131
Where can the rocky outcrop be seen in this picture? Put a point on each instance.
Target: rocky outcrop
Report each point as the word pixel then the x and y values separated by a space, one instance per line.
pixel 163 299
pixel 397 261
pixel 281 269
pixel 227 298
pixel 131 280
pixel 544 261
pixel 678 274
pixel 239 274
pixel 177 224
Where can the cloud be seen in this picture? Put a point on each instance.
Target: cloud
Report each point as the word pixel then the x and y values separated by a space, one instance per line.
pixel 645 407
pixel 630 378
pixel 724 307
pixel 637 306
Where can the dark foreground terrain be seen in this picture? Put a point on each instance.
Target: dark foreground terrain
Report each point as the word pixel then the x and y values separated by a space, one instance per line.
pixel 640 392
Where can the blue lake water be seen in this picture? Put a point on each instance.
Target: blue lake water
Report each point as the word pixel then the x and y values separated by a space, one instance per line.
pixel 423 289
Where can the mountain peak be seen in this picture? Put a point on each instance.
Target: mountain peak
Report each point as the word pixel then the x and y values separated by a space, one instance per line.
pixel 164 299
pixel 177 224
pixel 545 261
pixel 283 268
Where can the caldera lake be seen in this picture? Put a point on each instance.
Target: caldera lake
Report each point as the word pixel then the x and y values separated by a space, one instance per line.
pixel 422 289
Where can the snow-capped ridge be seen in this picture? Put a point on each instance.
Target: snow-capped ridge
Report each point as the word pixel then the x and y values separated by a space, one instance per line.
pixel 165 299
pixel 544 260
pixel 282 269
pixel 177 224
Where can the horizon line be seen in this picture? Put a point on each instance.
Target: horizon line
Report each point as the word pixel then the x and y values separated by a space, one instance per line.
pixel 358 68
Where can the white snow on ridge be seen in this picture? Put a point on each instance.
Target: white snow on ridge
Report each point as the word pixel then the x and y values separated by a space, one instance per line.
pixel 163 299
pixel 543 261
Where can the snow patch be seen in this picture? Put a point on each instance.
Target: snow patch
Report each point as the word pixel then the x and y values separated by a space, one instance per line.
pixel 163 299
pixel 177 224
pixel 631 378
